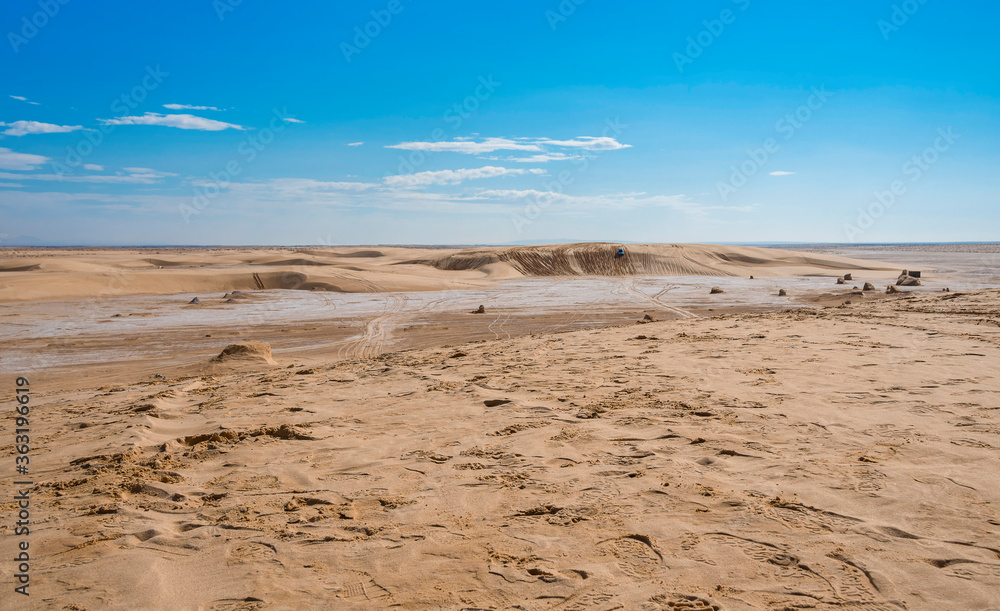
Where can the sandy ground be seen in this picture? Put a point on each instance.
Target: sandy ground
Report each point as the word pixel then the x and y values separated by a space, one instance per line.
pixel 838 457
pixel 53 274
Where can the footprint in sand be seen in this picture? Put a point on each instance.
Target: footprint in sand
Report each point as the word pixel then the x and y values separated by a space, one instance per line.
pixel 589 601
pixel 678 602
pixel 636 554
pixel 251 551
pixel 775 567
pixel 235 481
pixel 367 590
pixel 235 604
pixel 803 517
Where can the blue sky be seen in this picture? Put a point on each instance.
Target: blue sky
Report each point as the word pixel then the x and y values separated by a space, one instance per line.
pixel 245 122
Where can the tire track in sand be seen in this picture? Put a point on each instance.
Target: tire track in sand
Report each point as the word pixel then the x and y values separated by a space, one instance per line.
pixel 630 286
pixel 372 340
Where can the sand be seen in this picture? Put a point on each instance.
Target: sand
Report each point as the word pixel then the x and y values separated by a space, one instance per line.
pixel 51 274
pixel 835 456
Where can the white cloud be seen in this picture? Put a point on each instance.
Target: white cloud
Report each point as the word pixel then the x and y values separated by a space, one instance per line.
pixel 588 143
pixel 23 128
pixel 135 176
pixel 294 187
pixel 9 160
pixel 178 121
pixel 24 99
pixel 780 173
pixel 292 120
pixel 469 146
pixel 355 143
pixel 452 177
pixel 10 184
pixel 148 173
pixel 540 158
pixel 189 107
pixel 93 167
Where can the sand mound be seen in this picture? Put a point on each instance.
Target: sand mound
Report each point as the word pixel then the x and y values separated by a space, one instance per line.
pixel 246 351
pixel 363 254
pixel 598 259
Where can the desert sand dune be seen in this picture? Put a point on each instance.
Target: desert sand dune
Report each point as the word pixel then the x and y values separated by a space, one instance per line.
pixel 47 274
pixel 597 259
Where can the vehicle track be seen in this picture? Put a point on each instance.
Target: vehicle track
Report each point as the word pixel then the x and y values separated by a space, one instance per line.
pixel 499 327
pixel 630 286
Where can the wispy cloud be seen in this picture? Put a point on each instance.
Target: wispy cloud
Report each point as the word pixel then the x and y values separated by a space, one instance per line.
pixel 468 147
pixel 540 158
pixel 23 128
pixel 292 120
pixel 189 107
pixel 542 146
pixel 178 121
pixel 588 143
pixel 780 173
pixel 9 160
pixel 24 99
pixel 93 167
pixel 355 143
pixel 452 177
pixel 133 176
pixel 564 203
pixel 148 173
pixel 295 187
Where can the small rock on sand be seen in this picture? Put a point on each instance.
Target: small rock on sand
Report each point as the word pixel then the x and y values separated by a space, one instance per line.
pixel 841 280
pixel 246 351
pixel 782 293
pixel 195 301
pixel 907 281
pixel 716 290
pixel 869 286
pixel 848 277
pixel 891 289
pixel 479 310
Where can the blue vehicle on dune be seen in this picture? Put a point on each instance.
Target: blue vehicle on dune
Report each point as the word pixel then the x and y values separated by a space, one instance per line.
pixel 620 253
